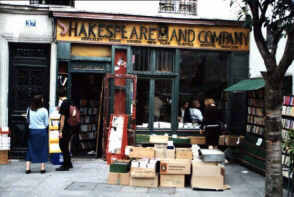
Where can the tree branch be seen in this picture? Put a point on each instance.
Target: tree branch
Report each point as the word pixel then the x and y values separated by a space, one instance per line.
pixel 288 55
pixel 276 39
pixel 259 39
pixel 264 9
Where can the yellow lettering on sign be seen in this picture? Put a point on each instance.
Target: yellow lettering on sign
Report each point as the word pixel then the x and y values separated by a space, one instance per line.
pixel 177 36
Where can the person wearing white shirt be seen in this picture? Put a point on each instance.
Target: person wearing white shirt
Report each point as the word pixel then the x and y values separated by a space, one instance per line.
pixel 196 115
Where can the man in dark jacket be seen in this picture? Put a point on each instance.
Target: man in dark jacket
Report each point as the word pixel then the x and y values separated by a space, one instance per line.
pixel 65 134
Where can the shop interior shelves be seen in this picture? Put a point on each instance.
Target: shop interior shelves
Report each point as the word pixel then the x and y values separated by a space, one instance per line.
pixel 88 128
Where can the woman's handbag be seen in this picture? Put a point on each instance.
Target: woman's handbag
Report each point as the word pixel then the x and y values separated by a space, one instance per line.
pixel 27 124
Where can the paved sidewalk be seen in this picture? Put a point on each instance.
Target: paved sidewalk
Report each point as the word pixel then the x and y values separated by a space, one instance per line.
pixel 89 178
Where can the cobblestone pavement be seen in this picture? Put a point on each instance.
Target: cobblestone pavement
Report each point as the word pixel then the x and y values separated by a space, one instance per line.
pixel 89 178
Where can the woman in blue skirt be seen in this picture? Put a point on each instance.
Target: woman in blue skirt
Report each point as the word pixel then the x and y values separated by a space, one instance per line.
pixel 38 134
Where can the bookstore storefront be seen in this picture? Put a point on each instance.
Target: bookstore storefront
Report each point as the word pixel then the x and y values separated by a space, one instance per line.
pixel 175 61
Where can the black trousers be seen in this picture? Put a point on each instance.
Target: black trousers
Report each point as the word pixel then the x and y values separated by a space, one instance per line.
pixel 64 146
pixel 212 135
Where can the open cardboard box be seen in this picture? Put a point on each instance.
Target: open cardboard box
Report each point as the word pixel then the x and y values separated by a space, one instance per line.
pixel 208 176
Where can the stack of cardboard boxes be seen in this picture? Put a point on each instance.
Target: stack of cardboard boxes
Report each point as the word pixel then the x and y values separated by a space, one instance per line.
pixel 207 171
pixel 166 166
pixel 119 172
pixel 144 173
pixel 173 171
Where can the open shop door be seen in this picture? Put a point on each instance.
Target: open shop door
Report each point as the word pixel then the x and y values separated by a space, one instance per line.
pixel 119 103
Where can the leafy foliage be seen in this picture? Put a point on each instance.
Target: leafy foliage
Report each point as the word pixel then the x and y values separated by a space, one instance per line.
pixel 277 16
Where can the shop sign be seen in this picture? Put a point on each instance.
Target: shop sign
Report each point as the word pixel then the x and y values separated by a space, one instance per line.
pixel 88 67
pixel 147 34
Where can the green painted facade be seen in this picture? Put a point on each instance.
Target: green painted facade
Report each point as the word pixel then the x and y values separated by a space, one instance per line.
pixel 237 69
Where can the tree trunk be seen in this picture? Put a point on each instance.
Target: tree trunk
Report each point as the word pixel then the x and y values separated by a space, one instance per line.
pixel 273 127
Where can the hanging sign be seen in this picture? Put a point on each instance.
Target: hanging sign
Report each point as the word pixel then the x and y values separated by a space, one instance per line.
pixel 148 34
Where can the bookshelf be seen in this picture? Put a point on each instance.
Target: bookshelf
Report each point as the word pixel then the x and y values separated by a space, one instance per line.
pixel 255 117
pixel 287 126
pixel 88 128
pixel 252 147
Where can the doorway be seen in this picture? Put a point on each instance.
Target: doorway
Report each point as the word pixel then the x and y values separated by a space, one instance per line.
pixel 28 75
pixel 86 93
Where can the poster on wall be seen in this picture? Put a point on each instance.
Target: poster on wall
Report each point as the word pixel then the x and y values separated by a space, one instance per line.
pixel 117 137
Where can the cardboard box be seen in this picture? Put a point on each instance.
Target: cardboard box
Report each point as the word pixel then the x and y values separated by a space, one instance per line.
pixel 3 156
pixel 175 166
pixel 184 153
pixel 197 139
pixel 160 151
pixel 142 172
pixel 208 182
pixel 171 153
pixel 140 152
pixel 207 175
pixel 144 182
pixel 113 178
pixel 172 180
pixel 158 139
pixel 124 178
pixel 120 166
pixel 118 178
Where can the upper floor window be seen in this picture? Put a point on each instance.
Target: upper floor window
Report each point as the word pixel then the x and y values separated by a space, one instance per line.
pixel 53 2
pixel 178 6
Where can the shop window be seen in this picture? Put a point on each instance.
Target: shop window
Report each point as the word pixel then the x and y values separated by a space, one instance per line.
pixel 142 57
pixel 142 103
pixel 154 94
pixel 162 103
pixel 178 6
pixel 202 75
pixel 164 60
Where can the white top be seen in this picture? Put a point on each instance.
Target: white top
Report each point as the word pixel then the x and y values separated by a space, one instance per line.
pixel 196 114
pixel 157 105
pixel 39 119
